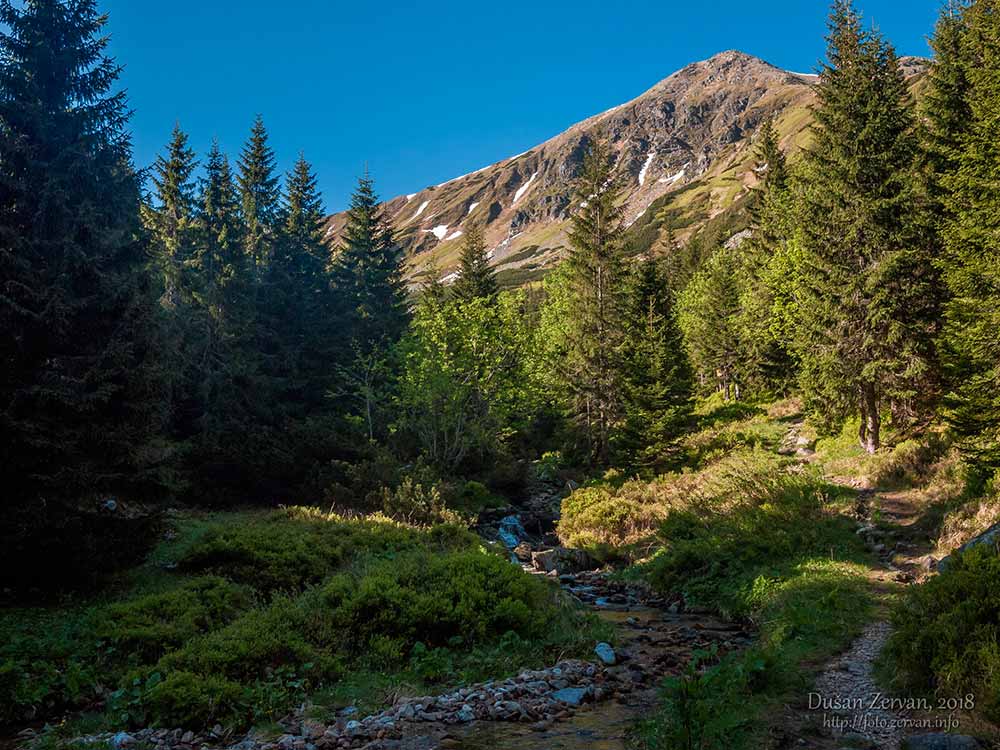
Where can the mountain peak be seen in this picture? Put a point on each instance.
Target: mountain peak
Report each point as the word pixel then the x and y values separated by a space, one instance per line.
pixel 690 135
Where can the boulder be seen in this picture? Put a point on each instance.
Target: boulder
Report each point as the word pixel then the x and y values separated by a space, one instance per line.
pixel 941 742
pixel 991 537
pixel 570 696
pixel 606 654
pixel 523 552
pixel 122 740
pixel 562 560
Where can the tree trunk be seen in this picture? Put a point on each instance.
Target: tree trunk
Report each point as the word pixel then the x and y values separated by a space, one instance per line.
pixel 869 432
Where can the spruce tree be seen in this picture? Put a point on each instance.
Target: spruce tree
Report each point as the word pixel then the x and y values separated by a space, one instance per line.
pixel 863 337
pixel 259 196
pixel 78 406
pixel 298 301
pixel 221 260
pixel 709 316
pixel 767 366
pixel 368 280
pixel 657 375
pixel 476 280
pixel 169 216
pixel 592 367
pixel 770 167
pixel 970 265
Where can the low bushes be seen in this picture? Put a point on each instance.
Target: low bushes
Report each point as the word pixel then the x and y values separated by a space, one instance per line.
pixel 762 542
pixel 289 549
pixel 265 609
pixel 946 635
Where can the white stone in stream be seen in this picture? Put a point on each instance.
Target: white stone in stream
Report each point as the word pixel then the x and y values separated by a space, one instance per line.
pixel 606 654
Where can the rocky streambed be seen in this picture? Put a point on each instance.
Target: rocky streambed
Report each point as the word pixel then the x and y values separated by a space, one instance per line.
pixel 576 704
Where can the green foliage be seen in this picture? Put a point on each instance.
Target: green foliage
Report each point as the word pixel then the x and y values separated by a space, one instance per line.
pixel 143 629
pixel 414 502
pixel 657 376
pixel 290 549
pixel 433 599
pixel 865 287
pixel 259 196
pixel 589 365
pixel 476 280
pixel 309 602
pixel 708 313
pixel 466 386
pixel 704 708
pixel 966 139
pixel 946 632
pixel 81 397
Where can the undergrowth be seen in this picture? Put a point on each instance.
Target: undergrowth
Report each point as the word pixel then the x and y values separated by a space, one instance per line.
pixel 242 616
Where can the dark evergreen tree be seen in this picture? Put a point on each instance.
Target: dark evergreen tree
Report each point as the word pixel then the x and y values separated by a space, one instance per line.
pixel 592 367
pixel 863 335
pixel 221 261
pixel 260 196
pixel 476 280
pixel 972 261
pixel 657 374
pixel 79 404
pixel 368 280
pixel 169 216
pixel 298 318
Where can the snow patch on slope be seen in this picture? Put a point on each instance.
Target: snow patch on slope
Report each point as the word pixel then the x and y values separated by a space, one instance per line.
pixel 439 231
pixel 524 188
pixel 419 211
pixel 645 168
pixel 455 235
pixel 472 207
pixel 674 177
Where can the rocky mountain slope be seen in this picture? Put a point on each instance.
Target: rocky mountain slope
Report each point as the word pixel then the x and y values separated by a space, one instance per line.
pixel 684 152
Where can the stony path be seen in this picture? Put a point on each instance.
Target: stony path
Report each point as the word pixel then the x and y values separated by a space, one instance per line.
pixel 849 699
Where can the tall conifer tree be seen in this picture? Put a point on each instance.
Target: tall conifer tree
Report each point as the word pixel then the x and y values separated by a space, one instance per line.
pixel 77 408
pixel 476 280
pixel 972 260
pixel 657 375
pixel 863 338
pixel 592 366
pixel 368 280
pixel 170 218
pixel 259 196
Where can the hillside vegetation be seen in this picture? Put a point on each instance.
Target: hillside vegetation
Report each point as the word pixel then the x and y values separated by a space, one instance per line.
pixel 253 471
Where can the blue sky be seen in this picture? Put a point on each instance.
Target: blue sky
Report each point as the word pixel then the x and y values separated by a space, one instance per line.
pixel 427 91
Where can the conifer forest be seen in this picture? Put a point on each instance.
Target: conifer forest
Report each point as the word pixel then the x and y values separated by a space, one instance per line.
pixel 599 447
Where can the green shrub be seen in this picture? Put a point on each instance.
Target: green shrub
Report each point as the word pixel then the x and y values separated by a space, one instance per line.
pixel 947 631
pixel 190 701
pixel 432 599
pixel 415 502
pixel 290 549
pixel 259 641
pixel 144 629
pixel 703 708
pixel 48 662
